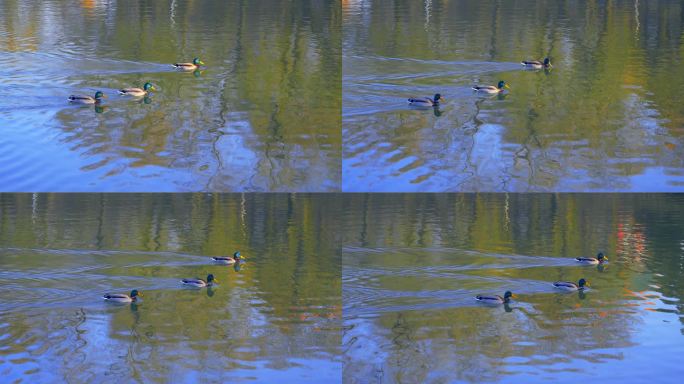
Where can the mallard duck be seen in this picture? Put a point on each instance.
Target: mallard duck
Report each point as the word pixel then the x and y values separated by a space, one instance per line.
pixel 570 287
pixel 137 91
pixel 199 283
pixel 123 298
pixel 536 64
pixel 600 259
pixel 490 88
pixel 228 260
pixel 426 101
pixel 495 299
pixel 196 62
pixel 78 99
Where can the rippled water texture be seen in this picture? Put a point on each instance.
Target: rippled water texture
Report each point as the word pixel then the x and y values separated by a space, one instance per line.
pixel 263 116
pixel 413 265
pixel 607 117
pixel 274 319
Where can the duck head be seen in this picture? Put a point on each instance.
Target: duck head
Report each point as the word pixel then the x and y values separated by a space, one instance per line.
pixel 135 294
pixel 582 283
pixel 502 84
pixel 547 62
pixel 601 258
pixel 99 95
pixel 148 86
pixel 197 61
pixel 507 296
pixel 438 97
pixel 237 256
pixel 211 279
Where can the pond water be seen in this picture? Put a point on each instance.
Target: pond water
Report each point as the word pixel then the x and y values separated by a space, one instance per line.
pixel 608 116
pixel 264 115
pixel 413 264
pixel 276 318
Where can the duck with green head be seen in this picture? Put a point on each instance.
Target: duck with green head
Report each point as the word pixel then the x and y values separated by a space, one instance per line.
pixel 138 92
pixel 495 299
pixel 80 99
pixel 537 64
pixel 196 62
pixel 123 298
pixel 199 283
pixel 491 89
pixel 570 286
pixel 426 101
pixel 599 259
pixel 228 260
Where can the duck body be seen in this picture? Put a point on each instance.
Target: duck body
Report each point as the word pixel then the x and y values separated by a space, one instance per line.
pixel 137 92
pixel 537 64
pixel 425 101
pixel 80 99
pixel 490 89
pixel 570 286
pixel 599 259
pixel 199 283
pixel 495 299
pixel 196 63
pixel 123 298
pixel 223 260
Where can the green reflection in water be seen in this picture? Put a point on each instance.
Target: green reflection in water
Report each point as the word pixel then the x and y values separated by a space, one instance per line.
pixel 607 117
pixel 275 318
pixel 264 115
pixel 412 265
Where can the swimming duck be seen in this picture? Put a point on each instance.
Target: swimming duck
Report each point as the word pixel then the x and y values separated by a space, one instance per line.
pixel 536 64
pixel 78 99
pixel 199 283
pixel 571 287
pixel 600 259
pixel 495 299
pixel 228 260
pixel 137 91
pixel 490 88
pixel 426 101
pixel 123 298
pixel 196 62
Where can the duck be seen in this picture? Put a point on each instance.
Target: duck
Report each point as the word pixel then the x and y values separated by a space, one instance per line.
pixel 599 259
pixel 79 99
pixel 228 260
pixel 426 101
pixel 137 91
pixel 123 298
pixel 537 64
pixel 199 283
pixel 571 287
pixel 491 89
pixel 496 299
pixel 196 62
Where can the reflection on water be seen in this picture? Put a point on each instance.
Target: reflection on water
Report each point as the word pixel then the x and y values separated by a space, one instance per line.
pixel 264 115
pixel 413 264
pixel 606 117
pixel 275 318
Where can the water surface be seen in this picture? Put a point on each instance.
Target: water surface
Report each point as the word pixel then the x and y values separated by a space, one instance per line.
pixel 413 264
pixel 263 116
pixel 607 117
pixel 274 319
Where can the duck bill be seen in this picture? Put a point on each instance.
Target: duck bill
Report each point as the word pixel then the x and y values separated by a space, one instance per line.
pixel 202 62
